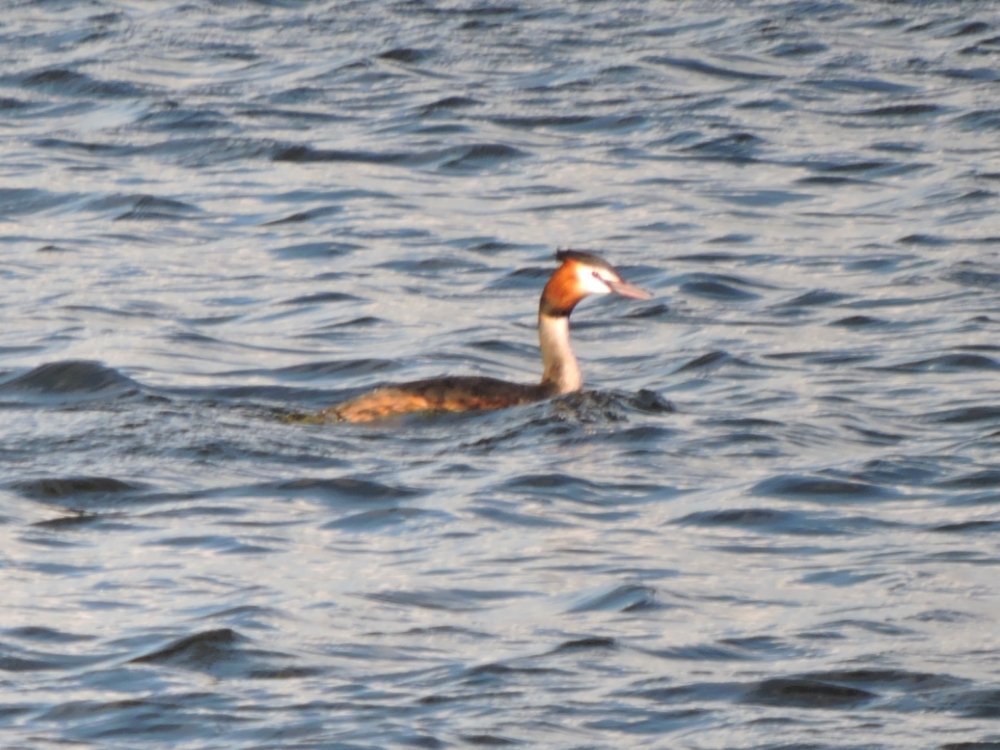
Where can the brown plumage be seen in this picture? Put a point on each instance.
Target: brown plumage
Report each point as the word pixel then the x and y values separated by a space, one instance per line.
pixel 578 275
pixel 468 393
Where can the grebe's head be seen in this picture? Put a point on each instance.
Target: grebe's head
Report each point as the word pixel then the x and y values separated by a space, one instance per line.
pixel 579 275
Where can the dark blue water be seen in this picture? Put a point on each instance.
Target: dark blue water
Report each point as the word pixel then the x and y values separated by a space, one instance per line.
pixel 771 519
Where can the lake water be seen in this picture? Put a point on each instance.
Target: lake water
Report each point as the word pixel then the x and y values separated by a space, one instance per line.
pixel 770 520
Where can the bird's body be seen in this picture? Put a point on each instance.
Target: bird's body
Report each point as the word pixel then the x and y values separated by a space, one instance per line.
pixel 458 393
pixel 579 275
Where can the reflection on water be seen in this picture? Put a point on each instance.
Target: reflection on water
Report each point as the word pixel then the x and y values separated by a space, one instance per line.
pixel 769 520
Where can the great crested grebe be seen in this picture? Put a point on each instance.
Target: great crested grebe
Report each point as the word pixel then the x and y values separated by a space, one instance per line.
pixel 578 275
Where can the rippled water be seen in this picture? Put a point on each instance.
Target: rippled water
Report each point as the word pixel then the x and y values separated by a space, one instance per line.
pixel 772 519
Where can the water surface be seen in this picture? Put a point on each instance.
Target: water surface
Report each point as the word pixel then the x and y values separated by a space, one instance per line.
pixel 769 521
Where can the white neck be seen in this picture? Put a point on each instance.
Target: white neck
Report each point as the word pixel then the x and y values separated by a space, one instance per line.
pixel 560 365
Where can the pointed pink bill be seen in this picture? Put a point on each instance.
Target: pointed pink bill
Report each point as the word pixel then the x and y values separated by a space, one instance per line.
pixel 628 290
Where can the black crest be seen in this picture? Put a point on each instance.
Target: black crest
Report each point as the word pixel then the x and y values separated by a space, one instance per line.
pixel 581 257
